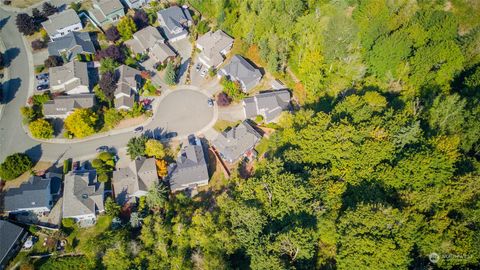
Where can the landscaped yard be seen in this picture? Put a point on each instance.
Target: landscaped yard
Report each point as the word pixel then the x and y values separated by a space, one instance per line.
pixel 79 236
pixel 221 125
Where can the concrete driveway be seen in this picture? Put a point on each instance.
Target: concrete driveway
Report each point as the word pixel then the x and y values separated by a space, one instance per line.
pixel 184 48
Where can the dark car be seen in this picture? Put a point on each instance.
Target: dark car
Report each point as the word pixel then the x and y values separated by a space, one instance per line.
pixel 138 129
pixel 210 102
pixel 102 148
pixel 198 67
pixel 171 135
pixel 42 87
pixel 191 139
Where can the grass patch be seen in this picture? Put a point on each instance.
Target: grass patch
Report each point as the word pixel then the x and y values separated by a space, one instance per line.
pixel 221 125
pixel 67 263
pixel 80 236
pixel 262 146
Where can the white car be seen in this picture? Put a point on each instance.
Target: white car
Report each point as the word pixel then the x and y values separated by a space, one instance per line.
pixel 203 73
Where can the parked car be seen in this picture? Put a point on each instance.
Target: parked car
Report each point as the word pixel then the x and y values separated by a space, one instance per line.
pixel 75 165
pixel 43 81
pixel 42 87
pixel 42 76
pixel 210 102
pixel 198 67
pixel 171 135
pixel 203 73
pixel 138 129
pixel 102 148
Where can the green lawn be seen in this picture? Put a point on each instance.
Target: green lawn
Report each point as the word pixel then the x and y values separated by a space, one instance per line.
pixel 221 125
pixel 80 236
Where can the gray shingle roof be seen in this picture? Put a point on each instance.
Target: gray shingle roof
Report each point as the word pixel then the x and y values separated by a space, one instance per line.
pixel 63 105
pixel 191 168
pixel 213 43
pixel 109 6
pixel 140 175
pixel 145 39
pixel 268 104
pixel 10 234
pixel 74 71
pixel 235 142
pixel 36 192
pixel 60 20
pixel 162 52
pixel 128 79
pixel 241 70
pixel 71 44
pixel 82 194
pixel 175 19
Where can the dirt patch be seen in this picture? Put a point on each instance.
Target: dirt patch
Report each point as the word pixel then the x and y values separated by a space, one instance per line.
pixel 40 166
pixel 130 122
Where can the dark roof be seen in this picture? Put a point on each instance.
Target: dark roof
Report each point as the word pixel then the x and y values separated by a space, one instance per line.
pixel 234 143
pixel 31 194
pixel 175 19
pixel 71 44
pixel 269 104
pixel 9 234
pixel 191 168
pixel 63 105
pixel 82 194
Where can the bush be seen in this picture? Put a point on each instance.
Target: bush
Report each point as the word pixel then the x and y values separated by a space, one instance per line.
pixel 223 99
pixel 40 99
pixel 14 166
pixel 203 27
pixel 232 89
pixel 103 178
pixel 38 44
pixel 39 68
pixel 112 34
pixel 41 129
pixel 105 156
pixel 53 61
pixel 68 222
pixel 32 229
pixel 67 165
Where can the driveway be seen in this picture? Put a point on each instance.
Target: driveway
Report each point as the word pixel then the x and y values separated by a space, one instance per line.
pixel 184 48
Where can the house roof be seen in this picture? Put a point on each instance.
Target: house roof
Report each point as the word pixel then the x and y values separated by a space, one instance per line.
pixel 162 52
pixel 140 175
pixel 233 143
pixel 71 44
pixel 62 105
pixel 240 69
pixel 191 168
pixel 213 43
pixel 9 233
pixel 269 104
pixel 30 194
pixel 109 6
pixel 82 194
pixel 127 79
pixel 70 71
pixel 145 39
pixel 124 102
pixel 175 18
pixel 60 20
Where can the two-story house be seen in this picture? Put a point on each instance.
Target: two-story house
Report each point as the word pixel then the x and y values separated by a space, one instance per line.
pixel 63 106
pixel 214 46
pixel 71 78
pixel 60 24
pixel 150 41
pixel 128 84
pixel 106 12
pixel 237 142
pixel 71 45
pixel 240 70
pixel 175 21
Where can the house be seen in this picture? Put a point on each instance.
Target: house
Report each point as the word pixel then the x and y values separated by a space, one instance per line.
pixel 191 169
pixel 71 45
pixel 214 46
pixel 240 70
pixel 135 4
pixel 162 53
pixel 175 21
pixel 82 197
pixel 12 238
pixel 63 106
pixel 35 195
pixel 60 24
pixel 135 180
pixel 144 40
pixel 128 83
pixel 268 104
pixel 71 78
pixel 237 142
pixel 105 12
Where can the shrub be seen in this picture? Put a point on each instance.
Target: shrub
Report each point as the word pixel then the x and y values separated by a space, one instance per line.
pixel 102 177
pixel 223 99
pixel 41 129
pixel 105 156
pixel 67 164
pixel 39 68
pixel 112 34
pixel 38 44
pixel 259 119
pixel 53 61
pixel 232 89
pixel 14 166
pixel 68 222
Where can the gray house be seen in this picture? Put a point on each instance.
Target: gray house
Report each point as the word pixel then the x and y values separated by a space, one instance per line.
pixel 63 106
pixel 82 197
pixel 240 70
pixel 175 21
pixel 60 24
pixel 35 195
pixel 72 44
pixel 268 104
pixel 71 78
pixel 237 142
pixel 105 12
pixel 12 238
pixel 214 47
pixel 144 39
pixel 135 4
pixel 191 169
pixel 128 83
pixel 135 180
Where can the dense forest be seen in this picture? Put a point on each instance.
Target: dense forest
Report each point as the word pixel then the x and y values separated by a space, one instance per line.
pixel 380 168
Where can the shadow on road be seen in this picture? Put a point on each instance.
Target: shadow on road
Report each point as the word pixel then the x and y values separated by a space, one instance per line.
pixel 9 55
pixel 183 69
pixel 11 87
pixel 35 153
pixel 3 22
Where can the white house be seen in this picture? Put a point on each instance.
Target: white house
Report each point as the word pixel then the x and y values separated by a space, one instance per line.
pixel 60 24
pixel 71 78
pixel 214 46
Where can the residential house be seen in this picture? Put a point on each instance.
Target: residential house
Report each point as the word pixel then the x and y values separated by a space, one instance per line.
pixel 135 4
pixel 135 180
pixel 214 47
pixel 191 169
pixel 175 21
pixel 106 12
pixel 71 45
pixel 240 70
pixel 150 41
pixel 12 238
pixel 35 196
pixel 63 106
pixel 71 78
pixel 83 197
pixel 60 24
pixel 237 142
pixel 162 53
pixel 268 104
pixel 128 84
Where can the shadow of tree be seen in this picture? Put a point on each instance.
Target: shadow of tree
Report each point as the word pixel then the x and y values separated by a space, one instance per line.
pixel 9 55
pixel 10 88
pixel 3 22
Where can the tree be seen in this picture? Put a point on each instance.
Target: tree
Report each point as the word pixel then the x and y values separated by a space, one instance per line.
pixel 111 207
pixel 126 27
pixel 107 64
pixel 202 27
pixel 113 52
pixel 81 123
pixel 223 99
pixel 41 129
pixel 154 148
pixel 49 9
pixel 117 259
pixel 26 24
pixel 53 61
pixel 76 6
pixel 157 197
pixel 68 222
pixel 162 169
pixel 170 74
pixel 108 85
pixel 232 89
pixel 111 118
pixel 140 18
pixel 136 147
pixel 15 165
pixel 38 16
pixel 29 114
pixel 112 34
pixel 38 44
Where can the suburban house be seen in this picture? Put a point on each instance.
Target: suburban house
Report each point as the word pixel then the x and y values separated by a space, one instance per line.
pixel 12 238
pixel 36 195
pixel 135 180
pixel 175 21
pixel 105 12
pixel 237 142
pixel 71 78
pixel 60 24
pixel 135 4
pixel 162 53
pixel 191 169
pixel 240 70
pixel 268 104
pixel 71 45
pixel 150 41
pixel 82 197
pixel 128 83
pixel 63 106
pixel 214 47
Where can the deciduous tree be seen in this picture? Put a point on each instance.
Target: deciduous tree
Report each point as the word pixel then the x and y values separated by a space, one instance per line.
pixel 41 129
pixel 15 165
pixel 81 123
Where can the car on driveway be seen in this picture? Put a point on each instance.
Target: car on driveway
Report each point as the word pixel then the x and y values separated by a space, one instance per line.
pixel 102 148
pixel 198 67
pixel 41 76
pixel 138 129
pixel 170 135
pixel 210 102
pixel 203 73
pixel 42 87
